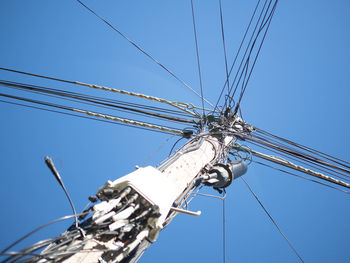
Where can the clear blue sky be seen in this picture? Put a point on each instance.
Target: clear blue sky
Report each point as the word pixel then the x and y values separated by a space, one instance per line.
pixel 299 90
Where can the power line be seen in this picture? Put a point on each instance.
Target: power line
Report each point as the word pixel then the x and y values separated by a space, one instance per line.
pixel 246 50
pixel 272 220
pixel 99 115
pixel 143 51
pixel 198 64
pixel 316 166
pixel 80 116
pixel 224 228
pixel 251 48
pixel 258 52
pixel 237 53
pixel 179 105
pixel 39 228
pixel 302 177
pixel 303 147
pixel 96 101
pixel 224 45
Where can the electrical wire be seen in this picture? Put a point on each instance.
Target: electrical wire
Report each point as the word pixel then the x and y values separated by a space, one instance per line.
pixel 224 45
pixel 84 117
pixel 179 105
pixel 303 147
pixel 237 53
pixel 99 115
pixel 326 170
pixel 258 52
pixel 224 229
pixel 244 55
pixel 272 220
pixel 197 53
pixel 156 150
pixel 302 177
pixel 96 101
pixel 172 148
pixel 143 51
pixel 39 228
pixel 251 48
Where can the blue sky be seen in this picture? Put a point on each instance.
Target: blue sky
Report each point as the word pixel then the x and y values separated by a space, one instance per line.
pixel 299 90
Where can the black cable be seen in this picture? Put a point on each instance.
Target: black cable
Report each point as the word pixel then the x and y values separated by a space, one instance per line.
pixel 172 148
pixel 85 117
pixel 85 85
pixel 198 64
pixel 141 50
pixel 326 169
pixel 258 52
pixel 331 158
pixel 223 228
pixel 251 50
pixel 95 100
pixel 100 105
pixel 57 106
pixel 302 177
pixel 300 155
pixel 238 51
pixel 272 220
pixel 39 76
pixel 303 158
pixel 245 53
pixel 292 151
pixel 39 228
pixel 224 45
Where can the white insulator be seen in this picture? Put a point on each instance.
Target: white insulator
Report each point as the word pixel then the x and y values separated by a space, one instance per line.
pixel 104 207
pixel 118 224
pixel 104 217
pixel 101 206
pixel 116 246
pixel 127 250
pixel 127 228
pixel 125 213
pixel 141 236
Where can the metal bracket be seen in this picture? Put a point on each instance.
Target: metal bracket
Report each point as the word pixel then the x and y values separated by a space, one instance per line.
pixel 179 210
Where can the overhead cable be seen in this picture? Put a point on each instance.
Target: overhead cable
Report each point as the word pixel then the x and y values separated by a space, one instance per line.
pixel 143 51
pixel 229 96
pixel 93 100
pixel 238 52
pixel 80 116
pixel 291 165
pixel 99 115
pixel 302 177
pixel 186 107
pixel 303 147
pixel 272 220
pixel 258 52
pixel 197 53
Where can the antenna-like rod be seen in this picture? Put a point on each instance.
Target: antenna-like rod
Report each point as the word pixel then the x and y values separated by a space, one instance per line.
pixel 54 171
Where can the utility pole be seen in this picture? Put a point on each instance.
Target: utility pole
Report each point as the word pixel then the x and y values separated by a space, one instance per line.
pixel 126 215
pixel 136 207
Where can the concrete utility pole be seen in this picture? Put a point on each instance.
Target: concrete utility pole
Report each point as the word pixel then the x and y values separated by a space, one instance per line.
pixel 134 208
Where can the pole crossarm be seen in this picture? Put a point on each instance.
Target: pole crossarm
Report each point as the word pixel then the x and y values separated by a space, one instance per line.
pixel 281 161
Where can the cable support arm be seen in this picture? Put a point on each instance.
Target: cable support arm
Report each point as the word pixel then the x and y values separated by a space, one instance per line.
pixel 286 163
